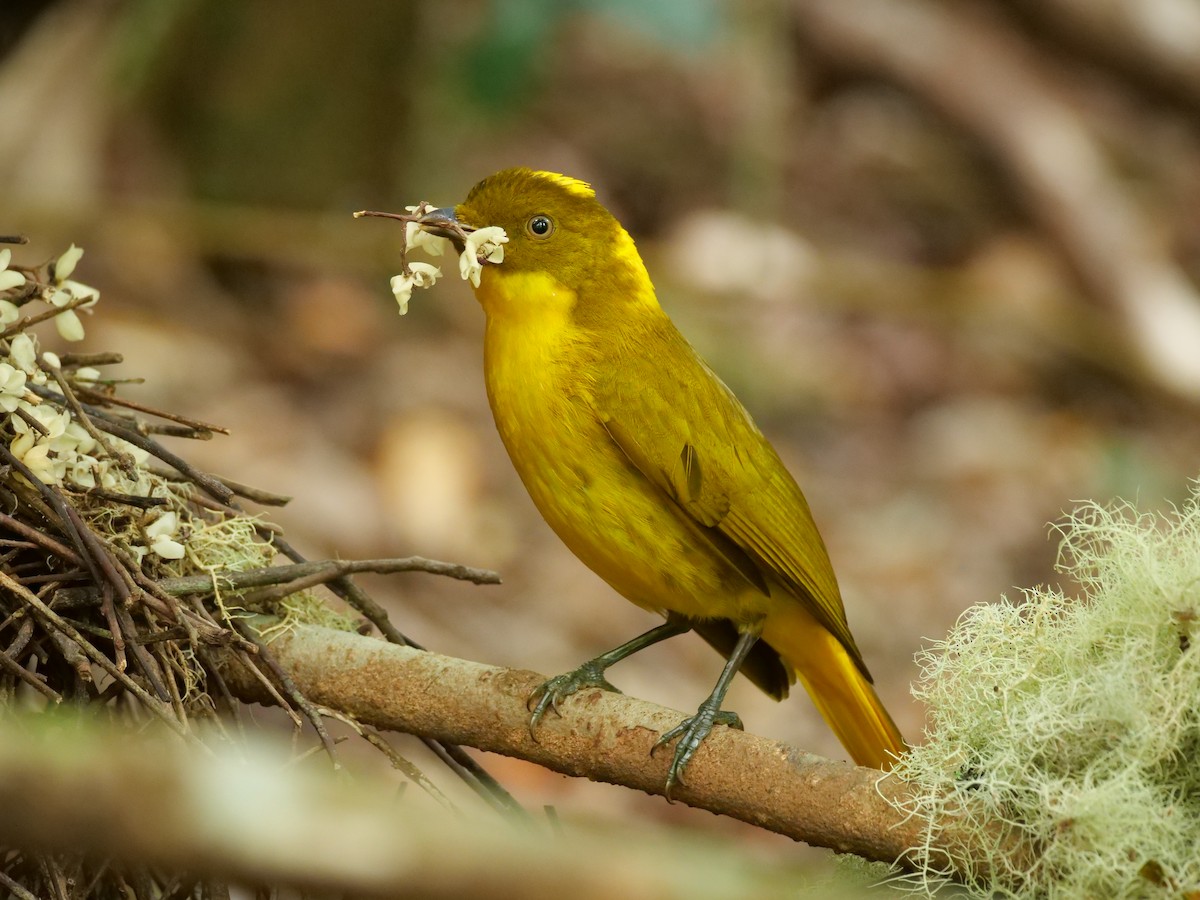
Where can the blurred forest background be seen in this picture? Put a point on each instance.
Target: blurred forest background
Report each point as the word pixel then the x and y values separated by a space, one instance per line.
pixel 945 253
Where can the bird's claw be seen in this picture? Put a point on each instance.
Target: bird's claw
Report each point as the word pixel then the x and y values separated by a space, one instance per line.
pixel 550 694
pixel 691 733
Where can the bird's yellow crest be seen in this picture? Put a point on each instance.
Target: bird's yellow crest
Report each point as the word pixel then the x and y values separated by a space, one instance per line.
pixel 573 186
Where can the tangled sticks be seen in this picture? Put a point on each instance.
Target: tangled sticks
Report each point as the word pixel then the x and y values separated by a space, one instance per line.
pixel 123 568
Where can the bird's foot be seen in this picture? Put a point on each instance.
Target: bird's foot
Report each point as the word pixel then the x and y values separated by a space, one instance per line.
pixel 691 733
pixel 553 692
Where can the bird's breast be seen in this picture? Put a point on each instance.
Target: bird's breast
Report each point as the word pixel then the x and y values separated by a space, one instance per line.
pixel 536 364
pixel 539 371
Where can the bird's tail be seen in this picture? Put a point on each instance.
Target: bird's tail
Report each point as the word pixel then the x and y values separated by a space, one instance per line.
pixel 841 692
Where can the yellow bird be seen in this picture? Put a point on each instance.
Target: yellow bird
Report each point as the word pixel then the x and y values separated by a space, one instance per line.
pixel 649 469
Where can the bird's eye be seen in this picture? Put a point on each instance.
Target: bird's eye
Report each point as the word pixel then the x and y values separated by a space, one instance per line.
pixel 540 226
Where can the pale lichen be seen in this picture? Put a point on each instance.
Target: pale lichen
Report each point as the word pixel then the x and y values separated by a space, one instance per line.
pixel 1075 719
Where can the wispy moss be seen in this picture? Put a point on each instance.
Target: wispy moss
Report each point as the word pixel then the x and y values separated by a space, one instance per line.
pixel 1077 720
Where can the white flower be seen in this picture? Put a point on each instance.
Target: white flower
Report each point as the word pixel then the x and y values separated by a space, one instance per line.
pixel 8 278
pixel 82 471
pixel 66 264
pixel 52 359
pixel 417 238
pixel 482 245
pixel 164 526
pixel 167 549
pixel 74 290
pixel 140 456
pixel 73 441
pixel 488 243
pixel 54 421
pixel 69 326
pixel 22 444
pixel 59 449
pixel 469 267
pixel 23 352
pixel 12 387
pixel 110 479
pixel 161 534
pixel 9 311
pixel 420 275
pixel 87 373
pixel 424 274
pixel 60 438
pixel 402 288
pixel 68 322
pixel 37 458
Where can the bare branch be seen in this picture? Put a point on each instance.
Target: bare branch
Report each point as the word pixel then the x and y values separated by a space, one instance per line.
pixel 103 399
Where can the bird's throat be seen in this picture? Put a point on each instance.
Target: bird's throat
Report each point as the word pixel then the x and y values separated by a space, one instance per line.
pixel 532 300
pixel 530 338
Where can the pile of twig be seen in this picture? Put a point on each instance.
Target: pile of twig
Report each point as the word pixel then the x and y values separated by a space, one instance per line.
pixel 125 572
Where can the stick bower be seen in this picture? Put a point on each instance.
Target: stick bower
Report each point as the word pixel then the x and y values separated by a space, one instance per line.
pixel 125 572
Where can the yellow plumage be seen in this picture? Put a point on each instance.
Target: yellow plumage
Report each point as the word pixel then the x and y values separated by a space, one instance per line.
pixel 647 466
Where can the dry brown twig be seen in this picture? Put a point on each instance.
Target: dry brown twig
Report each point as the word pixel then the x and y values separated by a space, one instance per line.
pixel 289 579
pixel 27 322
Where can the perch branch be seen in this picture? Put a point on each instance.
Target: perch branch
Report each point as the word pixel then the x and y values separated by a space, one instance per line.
pixel 602 736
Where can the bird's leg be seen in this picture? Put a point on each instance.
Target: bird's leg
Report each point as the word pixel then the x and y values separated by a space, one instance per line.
pixel 694 729
pixel 591 673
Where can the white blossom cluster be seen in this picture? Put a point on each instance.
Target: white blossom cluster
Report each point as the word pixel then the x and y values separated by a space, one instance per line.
pixel 480 246
pixel 58 291
pixel 58 449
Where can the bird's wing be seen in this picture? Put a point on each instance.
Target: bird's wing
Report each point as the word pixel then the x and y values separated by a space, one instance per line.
pixel 684 430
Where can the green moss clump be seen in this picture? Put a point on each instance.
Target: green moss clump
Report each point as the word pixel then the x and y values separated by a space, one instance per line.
pixel 1076 721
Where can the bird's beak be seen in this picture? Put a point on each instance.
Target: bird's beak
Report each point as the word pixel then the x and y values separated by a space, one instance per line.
pixel 443 223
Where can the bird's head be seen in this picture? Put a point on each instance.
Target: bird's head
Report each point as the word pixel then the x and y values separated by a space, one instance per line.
pixel 556 227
